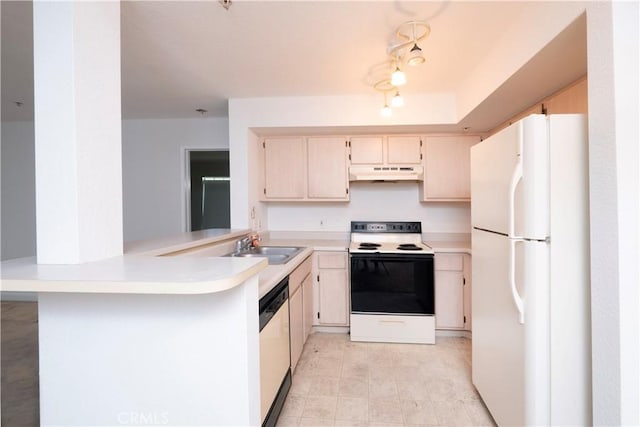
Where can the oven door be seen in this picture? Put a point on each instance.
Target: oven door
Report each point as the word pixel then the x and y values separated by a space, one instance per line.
pixel 392 283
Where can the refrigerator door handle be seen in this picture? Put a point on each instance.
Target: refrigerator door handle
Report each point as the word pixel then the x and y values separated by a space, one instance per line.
pixel 516 176
pixel 517 299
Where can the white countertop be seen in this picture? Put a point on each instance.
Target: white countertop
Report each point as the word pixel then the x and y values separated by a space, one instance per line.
pixel 450 246
pixel 131 274
pixel 143 271
pixel 179 242
pixel 273 274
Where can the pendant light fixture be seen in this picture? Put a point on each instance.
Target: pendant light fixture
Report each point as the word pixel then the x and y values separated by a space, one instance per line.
pixel 397 100
pixel 398 77
pixel 404 50
pixel 386 110
pixel 415 56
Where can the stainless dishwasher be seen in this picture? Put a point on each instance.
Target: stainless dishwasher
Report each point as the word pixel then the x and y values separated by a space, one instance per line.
pixel 275 357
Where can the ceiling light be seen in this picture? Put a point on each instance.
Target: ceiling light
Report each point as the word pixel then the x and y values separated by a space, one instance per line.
pixel 415 56
pixel 398 77
pixel 397 100
pixel 403 50
pixel 386 110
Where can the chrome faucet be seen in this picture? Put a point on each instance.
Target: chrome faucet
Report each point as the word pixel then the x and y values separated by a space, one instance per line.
pixel 243 244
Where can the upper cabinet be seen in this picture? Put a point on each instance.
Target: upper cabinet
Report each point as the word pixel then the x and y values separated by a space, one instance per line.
pixel 404 150
pixel 305 169
pixel 367 150
pixel 316 168
pixel 284 168
pixel 446 168
pixel 327 168
pixel 385 150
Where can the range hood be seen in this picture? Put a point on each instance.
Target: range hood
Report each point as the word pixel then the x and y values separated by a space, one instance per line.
pixel 386 173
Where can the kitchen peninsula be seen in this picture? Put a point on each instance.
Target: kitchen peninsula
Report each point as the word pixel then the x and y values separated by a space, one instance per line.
pixel 142 339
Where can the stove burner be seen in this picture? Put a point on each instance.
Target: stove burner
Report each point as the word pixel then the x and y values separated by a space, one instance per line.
pixel 365 245
pixel 408 247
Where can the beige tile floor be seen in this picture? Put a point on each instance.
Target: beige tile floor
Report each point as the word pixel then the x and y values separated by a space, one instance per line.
pixel 337 382
pixel 340 383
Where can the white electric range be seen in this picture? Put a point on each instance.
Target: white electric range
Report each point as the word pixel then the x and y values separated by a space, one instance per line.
pixel 392 283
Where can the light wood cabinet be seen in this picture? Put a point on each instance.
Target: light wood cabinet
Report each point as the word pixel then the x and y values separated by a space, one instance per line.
pixel 296 325
pixel 327 168
pixel 305 169
pixel 385 150
pixel 571 99
pixel 297 328
pixel 453 291
pixel 404 150
pixel 307 309
pixel 284 168
pixel 332 288
pixel 446 168
pixel 366 150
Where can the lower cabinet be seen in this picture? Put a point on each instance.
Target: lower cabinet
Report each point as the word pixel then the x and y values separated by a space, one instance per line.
pixel 299 280
pixel 307 302
pixel 453 291
pixel 331 302
pixel 296 325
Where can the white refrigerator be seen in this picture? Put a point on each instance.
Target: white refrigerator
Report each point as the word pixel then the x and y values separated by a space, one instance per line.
pixel 531 350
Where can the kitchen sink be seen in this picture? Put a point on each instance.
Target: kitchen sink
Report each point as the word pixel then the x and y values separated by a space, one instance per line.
pixel 275 254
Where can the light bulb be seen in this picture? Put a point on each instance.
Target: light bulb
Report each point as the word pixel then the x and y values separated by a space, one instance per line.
pixel 385 111
pixel 397 100
pixel 415 56
pixel 398 78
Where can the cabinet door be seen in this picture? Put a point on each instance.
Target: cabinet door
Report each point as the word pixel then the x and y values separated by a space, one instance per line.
pixel 446 168
pixel 296 325
pixel 327 168
pixel 404 150
pixel 467 292
pixel 307 305
pixel 367 150
pixel 284 168
pixel 334 307
pixel 449 300
pixel 331 293
pixel 449 276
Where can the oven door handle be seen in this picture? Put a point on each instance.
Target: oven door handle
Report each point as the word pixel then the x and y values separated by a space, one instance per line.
pixel 383 321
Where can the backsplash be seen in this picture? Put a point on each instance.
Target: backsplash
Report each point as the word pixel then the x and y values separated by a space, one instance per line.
pixel 385 201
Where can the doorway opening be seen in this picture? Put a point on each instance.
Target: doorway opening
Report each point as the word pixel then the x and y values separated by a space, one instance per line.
pixel 208 193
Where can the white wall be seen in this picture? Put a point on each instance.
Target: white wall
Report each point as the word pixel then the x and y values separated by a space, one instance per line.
pixel 18 203
pixel 613 57
pixel 371 202
pixel 153 169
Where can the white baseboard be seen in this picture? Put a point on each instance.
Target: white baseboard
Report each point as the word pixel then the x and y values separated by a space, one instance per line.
pixel 453 333
pixel 331 329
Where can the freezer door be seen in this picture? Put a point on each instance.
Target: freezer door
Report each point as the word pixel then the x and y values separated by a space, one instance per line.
pixel 493 162
pixel 510 180
pixel 498 336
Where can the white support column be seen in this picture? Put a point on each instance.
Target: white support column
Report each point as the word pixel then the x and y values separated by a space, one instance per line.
pixel 612 43
pixel 77 131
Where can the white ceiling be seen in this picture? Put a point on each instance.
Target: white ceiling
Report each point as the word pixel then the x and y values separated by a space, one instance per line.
pixel 180 56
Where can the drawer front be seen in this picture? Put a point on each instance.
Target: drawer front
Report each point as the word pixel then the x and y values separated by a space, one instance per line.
pixel 332 260
pixel 297 276
pixel 449 262
pixel 402 329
